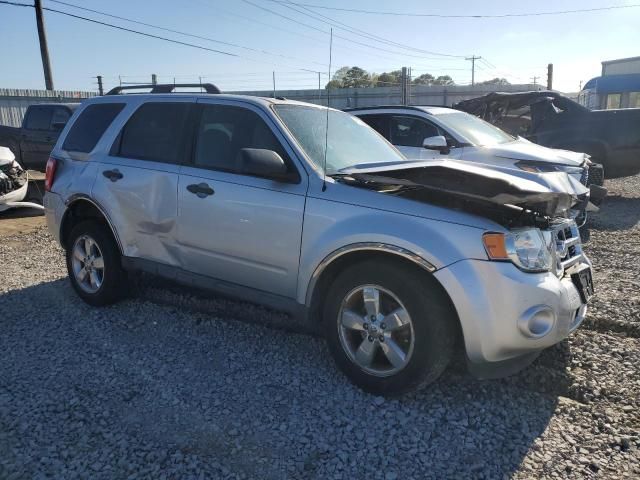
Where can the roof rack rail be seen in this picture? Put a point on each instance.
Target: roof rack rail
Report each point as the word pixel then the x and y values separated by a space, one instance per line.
pixel 164 88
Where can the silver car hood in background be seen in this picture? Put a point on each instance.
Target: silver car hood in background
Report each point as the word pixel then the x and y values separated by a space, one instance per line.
pixel 549 194
pixel 522 149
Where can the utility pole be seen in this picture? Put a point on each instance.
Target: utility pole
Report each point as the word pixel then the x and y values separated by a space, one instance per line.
pixel 274 84
pixel 550 76
pixel 100 87
pixel 319 91
pixel 44 50
pixel 403 86
pixel 409 87
pixel 473 59
pixel 535 80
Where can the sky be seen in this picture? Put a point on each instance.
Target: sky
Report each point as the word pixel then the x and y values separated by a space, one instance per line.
pixel 263 42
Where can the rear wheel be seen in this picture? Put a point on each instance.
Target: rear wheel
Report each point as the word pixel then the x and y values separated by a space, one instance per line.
pixel 93 264
pixel 389 327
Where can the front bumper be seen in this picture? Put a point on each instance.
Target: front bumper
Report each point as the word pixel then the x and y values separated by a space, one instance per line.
pixel 506 313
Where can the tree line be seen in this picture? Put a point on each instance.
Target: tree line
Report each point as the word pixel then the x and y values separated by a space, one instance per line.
pixel 356 77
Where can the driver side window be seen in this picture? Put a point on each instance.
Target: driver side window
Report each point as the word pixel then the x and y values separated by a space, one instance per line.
pixel 411 131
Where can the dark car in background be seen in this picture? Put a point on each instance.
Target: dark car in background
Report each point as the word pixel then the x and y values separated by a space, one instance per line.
pixel 41 127
pixel 610 137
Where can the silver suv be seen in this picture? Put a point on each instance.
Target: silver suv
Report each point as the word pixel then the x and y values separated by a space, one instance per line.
pixel 393 261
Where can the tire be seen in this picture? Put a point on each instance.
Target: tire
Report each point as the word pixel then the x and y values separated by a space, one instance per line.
pixel 432 322
pixel 110 284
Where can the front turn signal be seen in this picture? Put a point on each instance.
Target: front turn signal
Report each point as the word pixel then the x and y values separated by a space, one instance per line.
pixel 495 246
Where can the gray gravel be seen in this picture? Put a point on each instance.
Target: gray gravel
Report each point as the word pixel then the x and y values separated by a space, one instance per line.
pixel 172 385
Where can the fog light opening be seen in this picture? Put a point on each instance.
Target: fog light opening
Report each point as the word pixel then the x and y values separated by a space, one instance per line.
pixel 537 321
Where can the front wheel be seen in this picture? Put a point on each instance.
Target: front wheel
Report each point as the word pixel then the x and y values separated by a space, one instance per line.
pixel 389 327
pixel 93 264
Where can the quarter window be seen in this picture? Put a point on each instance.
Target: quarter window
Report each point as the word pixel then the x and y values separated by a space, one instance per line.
pixel 155 132
pixel 224 130
pixel 410 131
pixel 380 123
pixel 89 127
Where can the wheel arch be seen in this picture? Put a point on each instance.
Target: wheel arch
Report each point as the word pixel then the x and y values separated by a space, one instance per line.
pixel 79 208
pixel 349 255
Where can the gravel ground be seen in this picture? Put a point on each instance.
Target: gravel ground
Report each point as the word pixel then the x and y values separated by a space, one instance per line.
pixel 170 385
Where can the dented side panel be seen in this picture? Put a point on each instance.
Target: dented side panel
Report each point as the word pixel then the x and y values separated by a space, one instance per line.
pixel 142 205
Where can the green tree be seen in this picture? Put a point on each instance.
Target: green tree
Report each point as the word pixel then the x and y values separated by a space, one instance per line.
pixel 337 80
pixel 356 77
pixel 388 79
pixel 424 79
pixel 444 80
pixel 495 81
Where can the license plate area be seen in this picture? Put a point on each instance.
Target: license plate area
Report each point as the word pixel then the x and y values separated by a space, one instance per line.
pixel 583 281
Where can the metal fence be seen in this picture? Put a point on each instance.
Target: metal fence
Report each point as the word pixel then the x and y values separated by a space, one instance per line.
pixel 367 97
pixel 14 102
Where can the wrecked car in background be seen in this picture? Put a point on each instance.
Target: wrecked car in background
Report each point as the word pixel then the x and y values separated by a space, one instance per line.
pixel 609 137
pixel 308 210
pixel 435 133
pixel 14 183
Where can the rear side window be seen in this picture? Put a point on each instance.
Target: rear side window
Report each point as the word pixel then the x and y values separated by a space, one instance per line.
pixel 38 118
pixel 155 132
pixel 380 123
pixel 410 131
pixel 90 126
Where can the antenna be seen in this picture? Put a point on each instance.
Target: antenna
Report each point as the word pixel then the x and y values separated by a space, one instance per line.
pixel 326 130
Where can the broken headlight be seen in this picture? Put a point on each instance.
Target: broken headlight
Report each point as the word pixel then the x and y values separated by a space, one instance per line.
pixel 527 249
pixel 542 167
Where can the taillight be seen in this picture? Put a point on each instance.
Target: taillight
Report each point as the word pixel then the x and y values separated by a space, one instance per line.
pixel 50 173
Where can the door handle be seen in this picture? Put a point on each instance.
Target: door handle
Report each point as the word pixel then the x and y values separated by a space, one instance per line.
pixel 201 189
pixel 113 175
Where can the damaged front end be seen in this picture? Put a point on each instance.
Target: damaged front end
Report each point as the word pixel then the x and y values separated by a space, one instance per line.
pixel 14 182
pixel 512 200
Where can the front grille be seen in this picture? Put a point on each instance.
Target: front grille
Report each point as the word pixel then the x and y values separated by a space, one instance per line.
pixel 596 175
pixel 584 178
pixel 568 246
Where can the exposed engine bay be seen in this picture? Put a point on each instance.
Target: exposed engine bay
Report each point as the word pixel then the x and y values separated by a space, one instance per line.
pixel 503 197
pixel 12 177
pixel 14 183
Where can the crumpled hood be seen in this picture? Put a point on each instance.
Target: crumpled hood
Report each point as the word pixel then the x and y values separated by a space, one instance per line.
pixel 522 149
pixel 549 194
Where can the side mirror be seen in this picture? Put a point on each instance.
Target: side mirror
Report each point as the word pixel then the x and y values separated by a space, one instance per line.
pixel 260 162
pixel 436 143
pixel 58 126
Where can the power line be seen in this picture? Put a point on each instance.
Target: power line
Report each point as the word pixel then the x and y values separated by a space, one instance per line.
pixel 298 22
pixel 438 15
pixel 137 32
pixel 356 31
pixel 209 39
pixel 281 29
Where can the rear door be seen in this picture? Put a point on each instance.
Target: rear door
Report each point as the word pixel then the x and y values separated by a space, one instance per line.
pixel 247 230
pixel 137 179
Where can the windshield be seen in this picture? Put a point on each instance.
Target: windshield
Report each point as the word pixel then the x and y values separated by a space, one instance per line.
pixel 350 141
pixel 475 130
